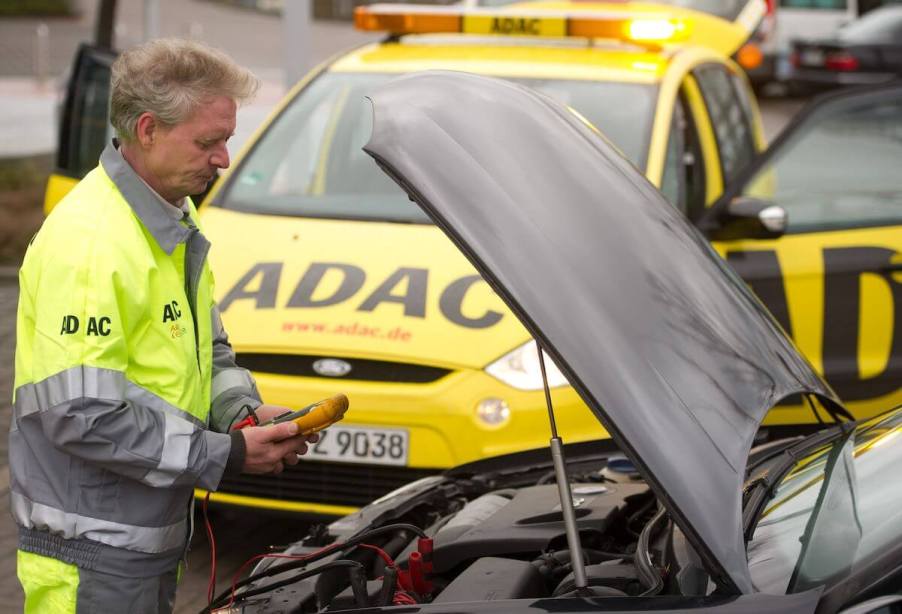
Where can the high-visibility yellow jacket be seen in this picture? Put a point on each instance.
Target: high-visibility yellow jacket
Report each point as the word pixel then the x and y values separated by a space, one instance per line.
pixel 125 382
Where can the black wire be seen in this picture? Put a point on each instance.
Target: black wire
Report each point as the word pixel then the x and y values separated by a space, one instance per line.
pixel 398 526
pixel 648 505
pixel 271 587
pixel 328 550
pixel 648 575
pixel 814 409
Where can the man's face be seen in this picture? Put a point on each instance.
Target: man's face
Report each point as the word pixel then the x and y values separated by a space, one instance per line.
pixel 184 158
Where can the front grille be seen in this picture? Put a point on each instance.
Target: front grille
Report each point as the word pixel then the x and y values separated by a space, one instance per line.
pixel 365 370
pixel 328 483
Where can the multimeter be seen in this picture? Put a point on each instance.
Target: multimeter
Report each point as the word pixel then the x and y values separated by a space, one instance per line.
pixel 315 417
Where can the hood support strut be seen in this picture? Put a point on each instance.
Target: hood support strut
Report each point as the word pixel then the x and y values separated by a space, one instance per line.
pixel 563 487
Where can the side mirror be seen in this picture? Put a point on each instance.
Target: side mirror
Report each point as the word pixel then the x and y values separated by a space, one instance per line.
pixel 745 217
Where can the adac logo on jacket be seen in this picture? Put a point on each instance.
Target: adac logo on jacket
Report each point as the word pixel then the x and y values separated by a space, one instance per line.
pixel 97 326
pixel 171 313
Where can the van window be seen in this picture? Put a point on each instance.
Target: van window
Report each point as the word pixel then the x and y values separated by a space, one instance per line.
pixel 683 180
pixel 729 117
pixel 831 5
pixel 726 9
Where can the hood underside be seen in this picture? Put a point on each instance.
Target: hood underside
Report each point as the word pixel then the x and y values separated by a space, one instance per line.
pixel 665 344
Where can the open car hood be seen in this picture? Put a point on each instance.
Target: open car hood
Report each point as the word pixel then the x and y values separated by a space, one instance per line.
pixel 666 345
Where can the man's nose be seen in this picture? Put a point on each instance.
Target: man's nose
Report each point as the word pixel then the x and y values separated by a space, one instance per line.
pixel 220 157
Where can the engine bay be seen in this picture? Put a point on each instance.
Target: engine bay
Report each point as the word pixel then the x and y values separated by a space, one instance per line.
pixel 480 537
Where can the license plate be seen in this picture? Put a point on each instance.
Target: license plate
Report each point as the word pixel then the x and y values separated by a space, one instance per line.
pixel 514 26
pixel 359 444
pixel 813 57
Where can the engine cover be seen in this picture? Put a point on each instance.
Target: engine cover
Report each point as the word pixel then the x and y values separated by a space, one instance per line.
pixel 491 579
pixel 524 522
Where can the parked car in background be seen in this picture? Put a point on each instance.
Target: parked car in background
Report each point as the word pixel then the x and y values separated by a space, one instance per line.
pixel 865 51
pixel 805 19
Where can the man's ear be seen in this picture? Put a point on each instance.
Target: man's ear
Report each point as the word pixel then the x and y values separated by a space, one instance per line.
pixel 146 129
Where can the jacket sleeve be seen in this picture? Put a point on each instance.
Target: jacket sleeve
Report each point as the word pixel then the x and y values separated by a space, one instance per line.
pixel 233 387
pixel 88 307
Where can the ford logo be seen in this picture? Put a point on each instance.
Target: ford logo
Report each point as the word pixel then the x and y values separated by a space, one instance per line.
pixel 331 367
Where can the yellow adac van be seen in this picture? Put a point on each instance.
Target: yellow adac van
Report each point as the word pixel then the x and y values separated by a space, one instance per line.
pixel 330 280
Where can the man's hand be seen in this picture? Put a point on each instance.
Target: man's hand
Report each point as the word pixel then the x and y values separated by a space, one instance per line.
pixel 270 448
pixel 260 460
pixel 268 412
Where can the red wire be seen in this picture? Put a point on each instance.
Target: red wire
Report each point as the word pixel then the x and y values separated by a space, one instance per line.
pixel 402 598
pixel 382 553
pixel 211 585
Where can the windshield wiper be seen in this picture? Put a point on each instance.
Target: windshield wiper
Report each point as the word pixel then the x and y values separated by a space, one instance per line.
pixel 760 489
pixel 834 531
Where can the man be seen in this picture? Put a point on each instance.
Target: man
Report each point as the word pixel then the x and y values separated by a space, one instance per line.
pixel 126 387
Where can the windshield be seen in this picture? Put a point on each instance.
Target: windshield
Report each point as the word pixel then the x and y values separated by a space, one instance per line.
pixel 727 9
pixel 840 168
pixel 310 162
pixel 835 508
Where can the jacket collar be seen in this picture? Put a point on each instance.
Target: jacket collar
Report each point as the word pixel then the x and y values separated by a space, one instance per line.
pixel 167 231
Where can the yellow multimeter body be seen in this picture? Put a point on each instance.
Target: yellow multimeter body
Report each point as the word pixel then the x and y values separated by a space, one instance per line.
pixel 318 416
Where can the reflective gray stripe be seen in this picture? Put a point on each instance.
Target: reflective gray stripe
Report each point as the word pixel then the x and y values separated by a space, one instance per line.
pixel 174 458
pixel 144 397
pixel 228 379
pixel 93 383
pixel 75 383
pixel 151 540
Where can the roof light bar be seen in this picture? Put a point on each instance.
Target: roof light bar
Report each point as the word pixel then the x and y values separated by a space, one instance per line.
pixel 653 29
pixel 401 19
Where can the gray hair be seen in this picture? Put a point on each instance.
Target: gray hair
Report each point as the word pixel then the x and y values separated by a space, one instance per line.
pixel 170 77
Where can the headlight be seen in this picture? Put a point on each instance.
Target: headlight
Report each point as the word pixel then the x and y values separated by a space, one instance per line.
pixel 521 370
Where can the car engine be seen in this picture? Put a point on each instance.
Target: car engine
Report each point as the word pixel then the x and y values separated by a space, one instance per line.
pixel 480 537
